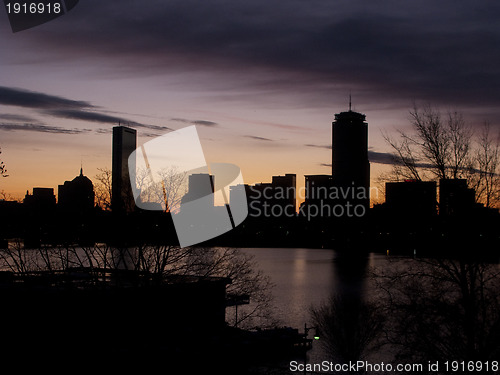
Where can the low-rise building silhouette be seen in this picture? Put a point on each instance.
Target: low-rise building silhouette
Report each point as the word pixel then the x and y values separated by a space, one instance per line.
pixel 411 198
pixel 42 200
pixel 276 199
pixel 76 197
pixel 318 189
pixel 455 197
pixel 200 188
pixel 285 191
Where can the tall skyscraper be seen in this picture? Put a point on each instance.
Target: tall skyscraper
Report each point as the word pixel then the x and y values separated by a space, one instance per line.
pixel 124 143
pixel 350 165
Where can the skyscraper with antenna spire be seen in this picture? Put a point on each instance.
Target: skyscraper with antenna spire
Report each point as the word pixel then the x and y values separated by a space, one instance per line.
pixel 350 165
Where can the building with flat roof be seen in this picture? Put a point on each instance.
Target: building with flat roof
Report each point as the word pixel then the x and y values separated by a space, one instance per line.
pixel 411 198
pixel 42 200
pixel 124 143
pixel 276 199
pixel 455 197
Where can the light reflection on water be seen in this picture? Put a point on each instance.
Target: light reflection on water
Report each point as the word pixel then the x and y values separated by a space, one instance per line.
pixel 301 276
pixel 305 277
pixel 308 277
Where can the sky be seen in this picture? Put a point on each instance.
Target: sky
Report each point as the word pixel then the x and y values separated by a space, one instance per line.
pixel 261 80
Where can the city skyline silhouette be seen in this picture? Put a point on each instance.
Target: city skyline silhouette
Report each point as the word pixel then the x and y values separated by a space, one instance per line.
pixel 335 203
pixel 262 96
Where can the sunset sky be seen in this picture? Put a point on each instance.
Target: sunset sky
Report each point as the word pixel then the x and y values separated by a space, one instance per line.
pixel 262 80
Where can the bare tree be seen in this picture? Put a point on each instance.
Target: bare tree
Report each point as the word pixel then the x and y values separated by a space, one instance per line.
pixel 246 280
pixel 6 196
pixel 349 328
pixel 103 188
pixel 174 186
pixel 14 258
pixel 431 138
pixel 460 146
pixel 445 148
pixel 232 263
pixel 166 187
pixel 441 308
pixel 160 261
pixel 406 163
pixel 487 173
pixel 3 169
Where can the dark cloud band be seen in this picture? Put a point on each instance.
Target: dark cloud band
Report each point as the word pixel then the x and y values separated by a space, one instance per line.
pixel 373 156
pixel 58 106
pixel 29 99
pixel 40 128
pixel 195 122
pixel 258 138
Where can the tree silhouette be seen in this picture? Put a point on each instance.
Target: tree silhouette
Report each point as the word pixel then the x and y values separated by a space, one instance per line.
pixel 439 309
pixel 349 328
pixel 3 169
pixel 436 146
pixel 103 188
pixel 166 188
pixel 445 147
pixel 487 157
pixel 158 261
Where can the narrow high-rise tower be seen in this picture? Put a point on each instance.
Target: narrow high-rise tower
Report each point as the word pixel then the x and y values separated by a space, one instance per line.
pixel 124 143
pixel 350 165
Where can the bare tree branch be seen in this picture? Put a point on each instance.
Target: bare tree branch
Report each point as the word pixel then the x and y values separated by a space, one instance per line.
pixel 3 169
pixel 441 308
pixel 447 149
pixel 103 188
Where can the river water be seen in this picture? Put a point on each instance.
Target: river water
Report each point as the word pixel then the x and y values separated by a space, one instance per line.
pixel 305 278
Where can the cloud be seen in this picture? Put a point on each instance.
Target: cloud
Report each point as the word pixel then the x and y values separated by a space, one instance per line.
pixel 259 138
pixel 380 157
pixel 16 118
pixel 424 50
pixel 29 99
pixel 149 135
pixel 320 146
pixel 104 131
pixel 373 156
pixel 92 116
pixel 60 107
pixel 40 128
pixel 205 123
pixel 195 122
